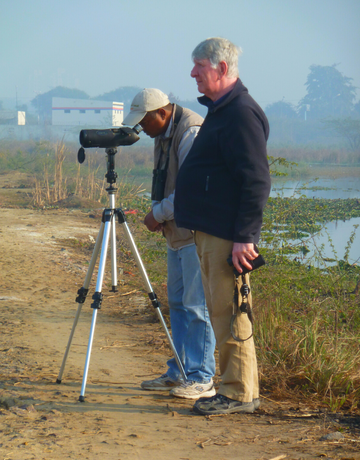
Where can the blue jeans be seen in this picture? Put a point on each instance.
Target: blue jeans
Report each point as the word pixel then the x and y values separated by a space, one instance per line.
pixel 192 333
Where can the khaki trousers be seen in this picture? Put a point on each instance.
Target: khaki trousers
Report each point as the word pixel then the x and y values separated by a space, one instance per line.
pixel 237 360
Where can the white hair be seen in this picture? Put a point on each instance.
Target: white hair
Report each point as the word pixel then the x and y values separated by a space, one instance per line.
pixel 219 49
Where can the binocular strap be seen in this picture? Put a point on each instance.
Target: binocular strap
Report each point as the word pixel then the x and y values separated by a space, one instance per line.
pixel 241 305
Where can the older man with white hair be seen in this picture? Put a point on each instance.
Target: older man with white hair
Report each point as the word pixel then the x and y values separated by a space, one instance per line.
pixel 221 191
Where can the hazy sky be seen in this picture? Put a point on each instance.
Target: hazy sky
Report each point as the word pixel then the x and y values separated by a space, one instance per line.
pixel 97 46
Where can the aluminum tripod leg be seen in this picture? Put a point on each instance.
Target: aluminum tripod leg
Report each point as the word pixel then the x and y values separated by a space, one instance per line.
pixel 113 255
pixel 97 297
pixel 107 233
pixel 149 288
pixel 82 296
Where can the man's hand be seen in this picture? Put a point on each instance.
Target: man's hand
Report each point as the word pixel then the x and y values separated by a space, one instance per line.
pixel 152 224
pixel 243 252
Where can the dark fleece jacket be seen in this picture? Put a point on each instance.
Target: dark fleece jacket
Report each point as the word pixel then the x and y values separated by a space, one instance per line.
pixel 224 182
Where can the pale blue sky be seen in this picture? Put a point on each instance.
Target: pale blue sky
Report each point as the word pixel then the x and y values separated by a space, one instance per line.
pixel 97 46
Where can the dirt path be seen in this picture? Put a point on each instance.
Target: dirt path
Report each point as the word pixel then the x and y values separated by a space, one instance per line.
pixel 42 266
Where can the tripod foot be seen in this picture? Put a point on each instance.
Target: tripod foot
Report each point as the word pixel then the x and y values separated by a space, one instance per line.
pixel 82 398
pixel 58 381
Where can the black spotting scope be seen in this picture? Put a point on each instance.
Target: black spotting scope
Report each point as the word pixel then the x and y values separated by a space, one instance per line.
pixel 109 138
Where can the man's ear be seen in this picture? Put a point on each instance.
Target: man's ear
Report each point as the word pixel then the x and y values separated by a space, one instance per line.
pixel 162 113
pixel 223 69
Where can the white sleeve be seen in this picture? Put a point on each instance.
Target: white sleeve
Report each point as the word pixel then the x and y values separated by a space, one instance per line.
pixel 164 210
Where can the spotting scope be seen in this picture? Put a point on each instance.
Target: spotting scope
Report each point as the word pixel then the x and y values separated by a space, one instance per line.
pixel 109 138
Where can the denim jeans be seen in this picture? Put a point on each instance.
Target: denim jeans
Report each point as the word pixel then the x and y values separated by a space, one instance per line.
pixel 192 333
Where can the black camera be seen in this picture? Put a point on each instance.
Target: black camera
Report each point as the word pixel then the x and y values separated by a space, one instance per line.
pixel 109 138
pixel 158 184
pixel 256 263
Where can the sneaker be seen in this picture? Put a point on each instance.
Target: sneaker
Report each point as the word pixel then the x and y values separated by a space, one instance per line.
pixel 194 390
pixel 162 383
pixel 220 404
pixel 256 402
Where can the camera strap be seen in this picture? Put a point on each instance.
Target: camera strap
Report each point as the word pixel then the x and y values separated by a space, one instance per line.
pixel 178 113
pixel 160 173
pixel 241 305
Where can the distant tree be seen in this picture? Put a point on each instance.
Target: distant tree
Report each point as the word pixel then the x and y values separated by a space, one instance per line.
pixel 173 99
pixel 357 109
pixel 347 128
pixel 123 94
pixel 281 109
pixel 192 105
pixel 43 102
pixel 329 93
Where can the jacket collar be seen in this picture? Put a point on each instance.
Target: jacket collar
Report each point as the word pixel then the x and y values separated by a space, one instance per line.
pixel 224 100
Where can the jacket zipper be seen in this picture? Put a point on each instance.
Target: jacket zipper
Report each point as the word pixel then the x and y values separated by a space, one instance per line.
pixel 207 184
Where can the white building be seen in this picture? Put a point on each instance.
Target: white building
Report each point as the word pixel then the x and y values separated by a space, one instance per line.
pixel 85 112
pixel 12 117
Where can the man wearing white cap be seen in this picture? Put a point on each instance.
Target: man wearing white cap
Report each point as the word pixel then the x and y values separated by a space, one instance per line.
pixel 174 129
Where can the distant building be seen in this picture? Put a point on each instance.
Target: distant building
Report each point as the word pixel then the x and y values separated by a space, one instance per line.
pixel 12 117
pixel 85 112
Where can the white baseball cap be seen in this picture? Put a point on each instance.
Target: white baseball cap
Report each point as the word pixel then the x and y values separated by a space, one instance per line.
pixel 147 100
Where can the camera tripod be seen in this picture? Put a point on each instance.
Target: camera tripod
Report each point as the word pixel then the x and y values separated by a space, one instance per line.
pixel 106 234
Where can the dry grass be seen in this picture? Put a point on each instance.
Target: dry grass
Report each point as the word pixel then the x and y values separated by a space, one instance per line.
pixel 52 185
pixel 308 342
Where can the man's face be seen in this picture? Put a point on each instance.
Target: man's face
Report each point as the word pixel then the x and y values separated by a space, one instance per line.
pixel 207 78
pixel 153 124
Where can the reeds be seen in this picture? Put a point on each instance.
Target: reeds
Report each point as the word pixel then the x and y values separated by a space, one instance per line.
pixel 318 155
pixel 52 185
pixel 59 189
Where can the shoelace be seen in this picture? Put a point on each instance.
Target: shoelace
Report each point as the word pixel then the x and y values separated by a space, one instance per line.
pixel 188 383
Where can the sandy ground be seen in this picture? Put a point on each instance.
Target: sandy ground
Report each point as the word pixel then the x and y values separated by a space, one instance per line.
pixel 42 266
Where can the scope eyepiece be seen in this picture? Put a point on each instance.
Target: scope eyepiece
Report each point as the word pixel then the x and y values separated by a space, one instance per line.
pixel 137 128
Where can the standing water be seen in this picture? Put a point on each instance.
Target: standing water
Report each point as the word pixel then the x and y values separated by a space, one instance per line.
pixel 335 233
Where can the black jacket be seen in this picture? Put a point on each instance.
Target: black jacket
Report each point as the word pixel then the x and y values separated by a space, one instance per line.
pixel 224 182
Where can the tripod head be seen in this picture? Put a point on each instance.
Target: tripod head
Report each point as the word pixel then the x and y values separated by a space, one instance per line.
pixel 111 174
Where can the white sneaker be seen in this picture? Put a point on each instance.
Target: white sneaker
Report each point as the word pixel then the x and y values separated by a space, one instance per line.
pixel 194 390
pixel 162 383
